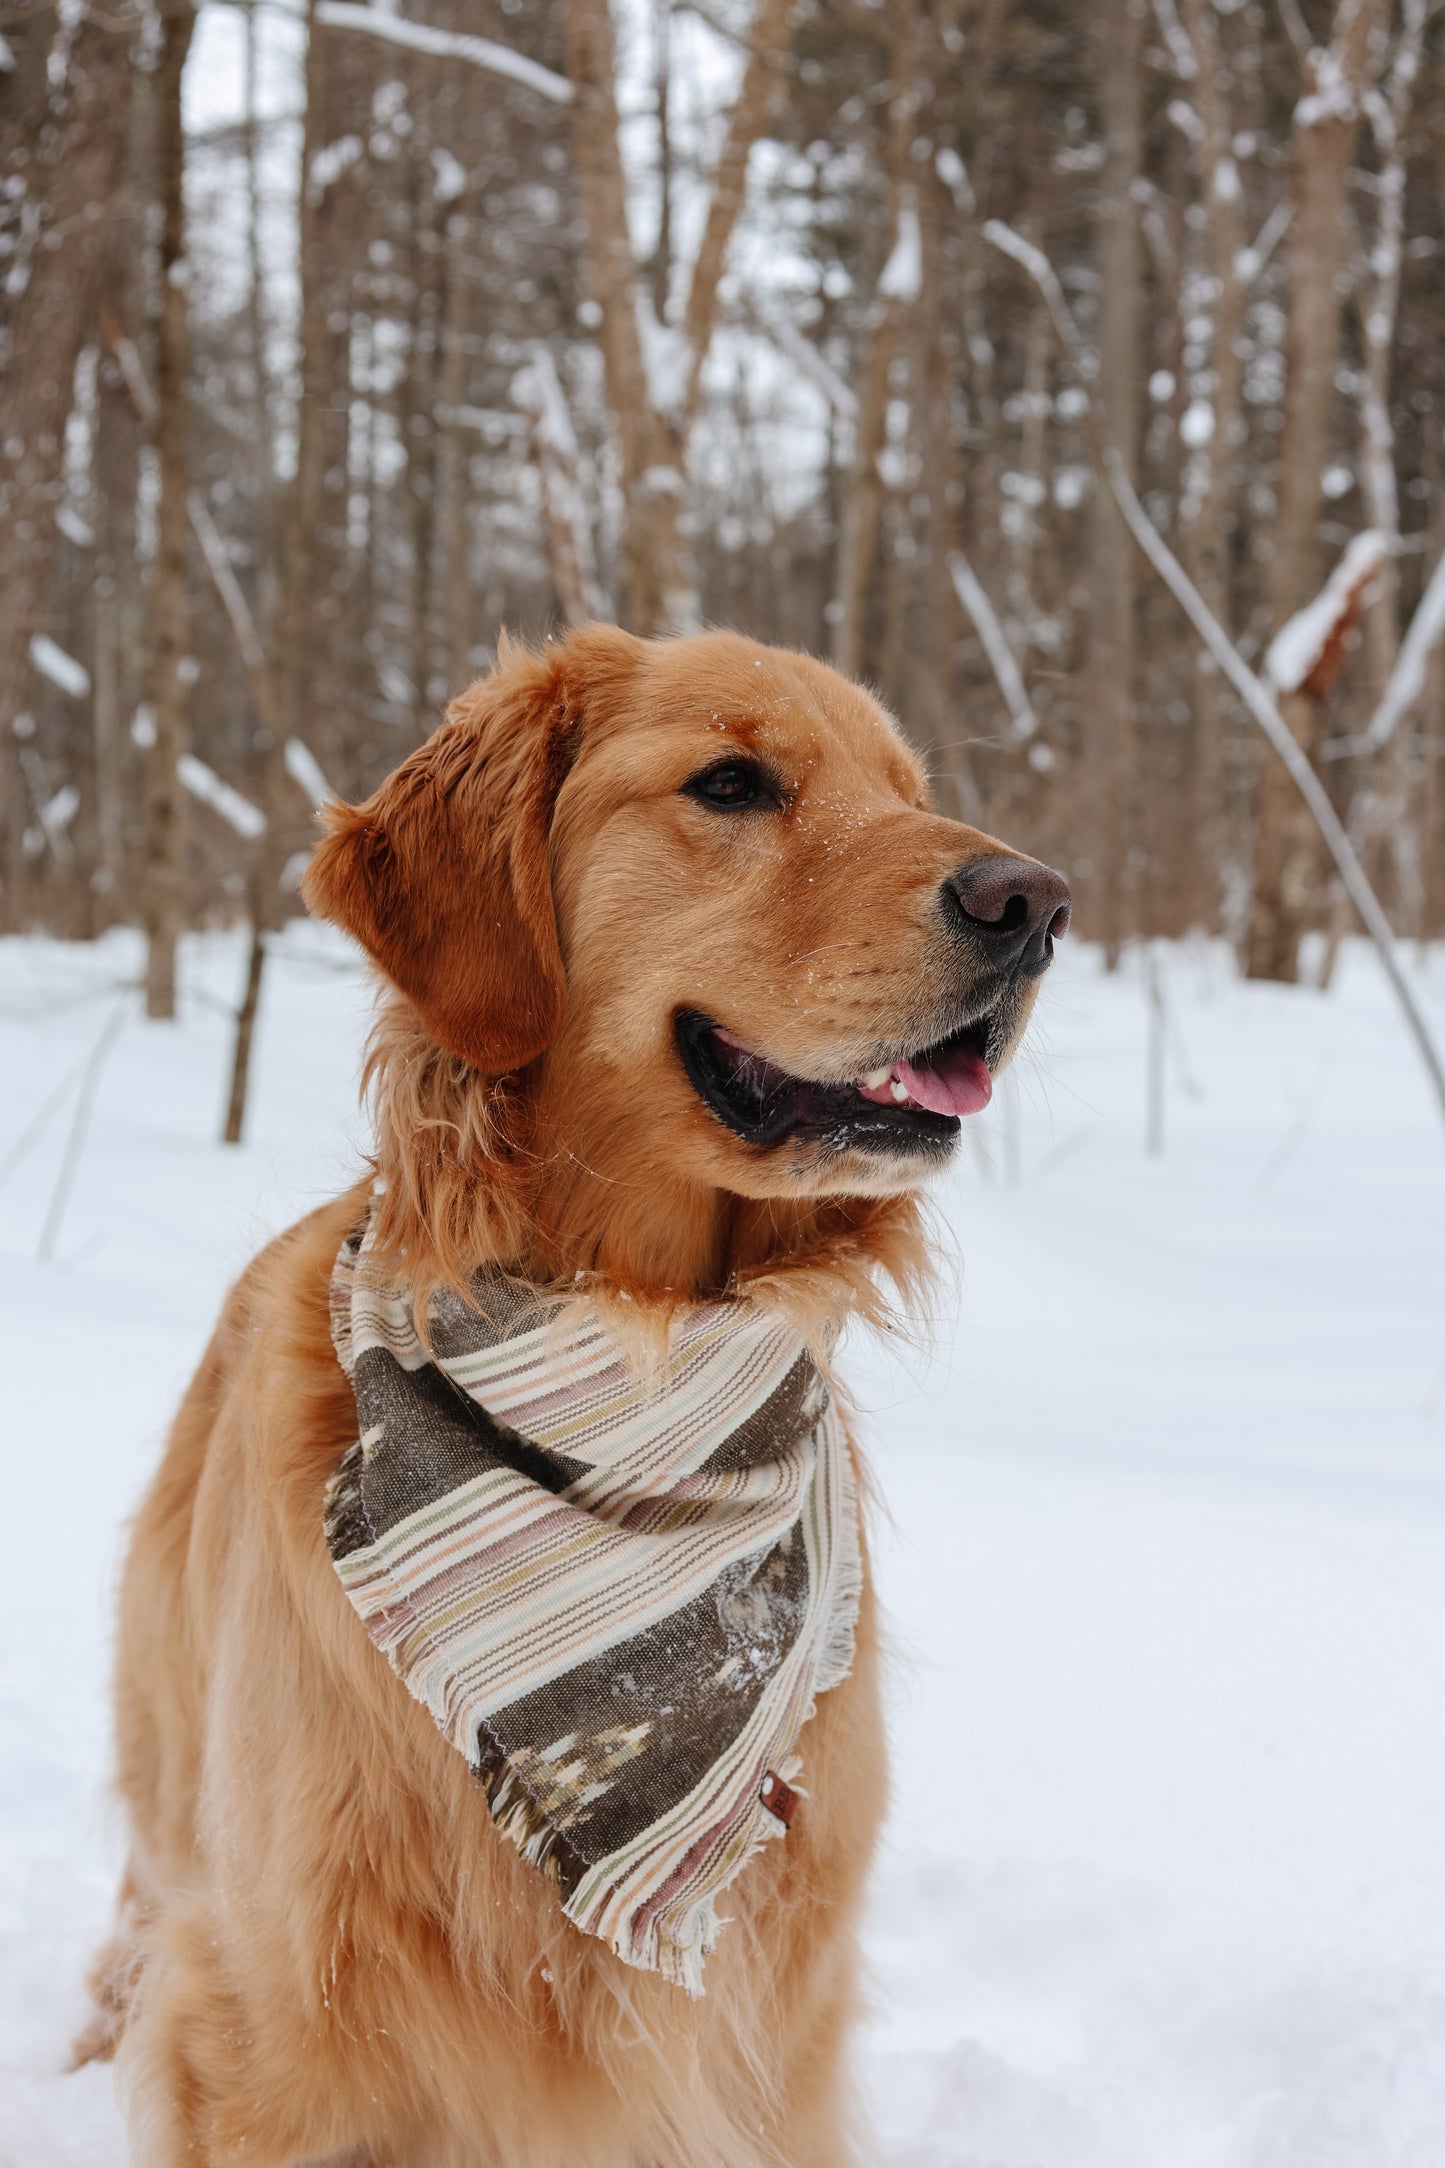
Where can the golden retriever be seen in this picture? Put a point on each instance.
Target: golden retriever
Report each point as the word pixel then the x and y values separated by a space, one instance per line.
pixel 686 992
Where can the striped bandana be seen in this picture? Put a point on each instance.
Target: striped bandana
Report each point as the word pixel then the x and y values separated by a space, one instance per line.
pixel 617 1596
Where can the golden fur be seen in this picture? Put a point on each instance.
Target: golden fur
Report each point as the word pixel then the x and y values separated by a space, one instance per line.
pixel 325 1952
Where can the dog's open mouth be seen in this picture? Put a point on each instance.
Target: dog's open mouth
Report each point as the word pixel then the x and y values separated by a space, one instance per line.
pixel 912 1103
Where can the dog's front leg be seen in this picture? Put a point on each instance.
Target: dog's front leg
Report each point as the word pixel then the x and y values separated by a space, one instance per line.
pixel 203 2086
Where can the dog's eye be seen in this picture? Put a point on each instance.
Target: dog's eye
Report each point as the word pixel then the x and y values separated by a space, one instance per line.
pixel 731 784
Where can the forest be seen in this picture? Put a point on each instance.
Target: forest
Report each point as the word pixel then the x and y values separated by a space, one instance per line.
pixel 337 341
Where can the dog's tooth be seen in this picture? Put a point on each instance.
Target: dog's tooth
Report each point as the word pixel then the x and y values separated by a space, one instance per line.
pixel 875 1079
pixel 900 1091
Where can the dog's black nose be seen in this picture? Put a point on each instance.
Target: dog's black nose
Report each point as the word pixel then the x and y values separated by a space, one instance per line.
pixel 1014 908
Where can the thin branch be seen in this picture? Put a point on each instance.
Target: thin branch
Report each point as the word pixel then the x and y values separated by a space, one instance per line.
pixel 446 45
pixel 1181 51
pixel 1296 27
pixel 1407 679
pixel 80 1122
pixel 233 601
pixel 1251 261
pixel 1251 690
pixel 971 594
pixel 766 48
pixel 778 327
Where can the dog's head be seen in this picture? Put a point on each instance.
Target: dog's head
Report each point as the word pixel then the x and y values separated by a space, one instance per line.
pixel 693 891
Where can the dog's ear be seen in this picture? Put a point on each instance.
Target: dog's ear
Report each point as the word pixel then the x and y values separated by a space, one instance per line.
pixel 444 874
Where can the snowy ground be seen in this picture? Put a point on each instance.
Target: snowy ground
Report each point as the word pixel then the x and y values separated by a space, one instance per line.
pixel 1165 1885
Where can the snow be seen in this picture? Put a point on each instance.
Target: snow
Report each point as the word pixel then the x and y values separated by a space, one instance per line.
pixel 1332 97
pixel 203 783
pixel 51 660
pixel 1226 181
pixel 74 528
pixel 953 173
pixel 538 391
pixel 58 812
pixel 1249 262
pixel 330 163
pixel 1299 647
pixel 1164 1554
pixel 901 278
pixel 975 600
pixel 450 176
pixel 306 772
pixel 1176 38
pixel 1196 426
pixel 1407 679
pixel 446 45
pixel 667 360
pixel 811 364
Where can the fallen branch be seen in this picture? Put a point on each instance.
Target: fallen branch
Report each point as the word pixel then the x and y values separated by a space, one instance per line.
pixel 1251 689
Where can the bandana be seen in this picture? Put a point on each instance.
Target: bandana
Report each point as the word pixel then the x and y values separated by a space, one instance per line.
pixel 618 1595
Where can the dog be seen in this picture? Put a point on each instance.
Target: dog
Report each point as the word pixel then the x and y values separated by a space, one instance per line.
pixel 686 990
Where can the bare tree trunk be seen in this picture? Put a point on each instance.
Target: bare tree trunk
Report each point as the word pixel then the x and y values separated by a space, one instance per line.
pixel 1109 750
pixel 67 168
pixel 1386 813
pixel 933 367
pixel 457 631
pixel 1286 850
pixel 653 411
pixel 281 708
pixel 165 837
pixel 863 500
pixel 420 393
pixel 660 268
pixel 863 503
pixel 1214 466
pixel 656 566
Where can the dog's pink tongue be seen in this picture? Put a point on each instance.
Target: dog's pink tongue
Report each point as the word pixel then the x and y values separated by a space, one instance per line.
pixel 957 1083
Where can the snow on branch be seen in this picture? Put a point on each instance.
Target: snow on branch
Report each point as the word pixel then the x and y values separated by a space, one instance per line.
pixel 56 815
pixel 901 278
pixel 1044 276
pixel 1256 695
pixel 202 782
pixel 777 326
pixel 1407 679
pixel 63 670
pixel 218 564
pixel 1250 261
pixel 1176 38
pixel 970 592
pixel 305 772
pixel 1253 691
pixel 446 45
pixel 537 389
pixel 1307 654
